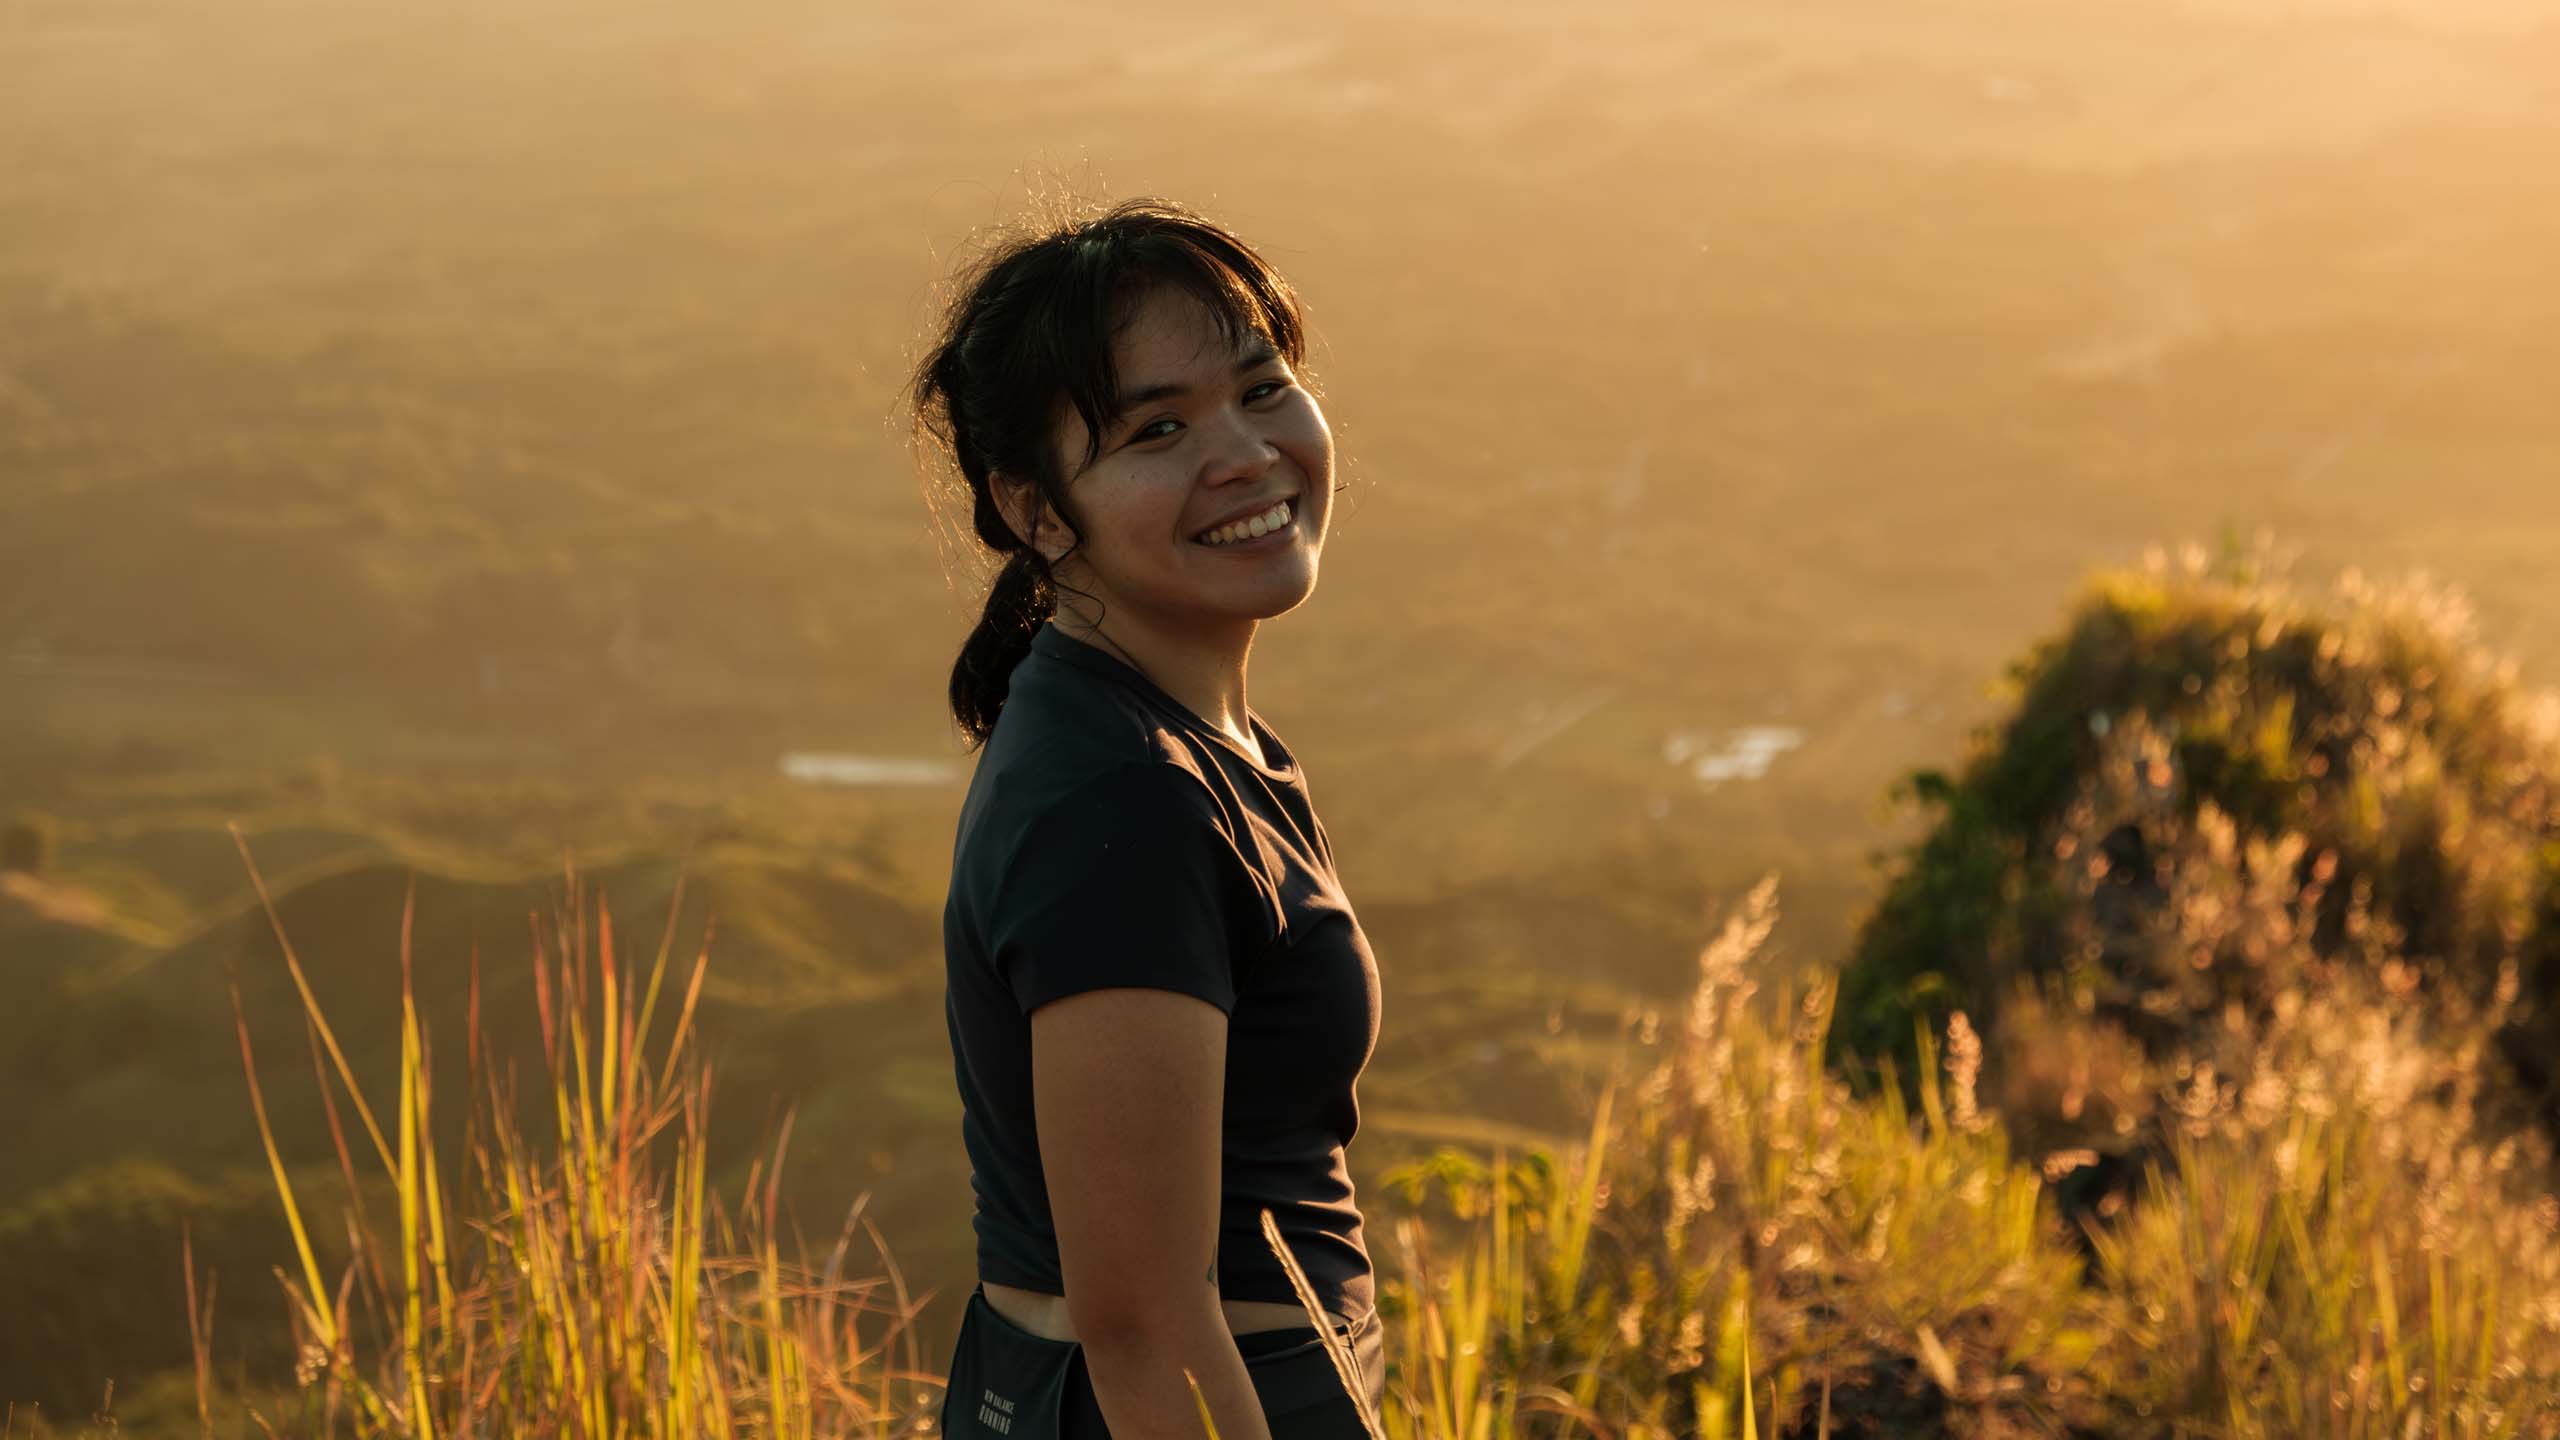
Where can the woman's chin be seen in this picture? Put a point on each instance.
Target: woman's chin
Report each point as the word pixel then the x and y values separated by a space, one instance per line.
pixel 1285 593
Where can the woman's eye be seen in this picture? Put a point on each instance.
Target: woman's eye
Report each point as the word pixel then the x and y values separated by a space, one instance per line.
pixel 1261 390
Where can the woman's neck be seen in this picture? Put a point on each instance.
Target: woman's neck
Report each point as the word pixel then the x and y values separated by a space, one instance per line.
pixel 1205 672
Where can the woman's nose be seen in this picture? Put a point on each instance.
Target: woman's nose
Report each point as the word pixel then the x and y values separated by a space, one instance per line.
pixel 1239 450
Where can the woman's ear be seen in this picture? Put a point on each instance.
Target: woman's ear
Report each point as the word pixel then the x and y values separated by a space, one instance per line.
pixel 1026 512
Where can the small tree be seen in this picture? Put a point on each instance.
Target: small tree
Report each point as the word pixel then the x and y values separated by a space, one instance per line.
pixel 2369 747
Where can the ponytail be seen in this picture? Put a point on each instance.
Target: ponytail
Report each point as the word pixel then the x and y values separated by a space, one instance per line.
pixel 1020 601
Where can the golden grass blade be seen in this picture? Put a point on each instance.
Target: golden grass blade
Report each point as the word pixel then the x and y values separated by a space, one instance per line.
pixel 1750 1416
pixel 2387 1296
pixel 682 1355
pixel 310 1004
pixel 434 1198
pixel 1933 1355
pixel 542 997
pixel 1201 1400
pixel 609 1019
pixel 769 1282
pixel 1334 1348
pixel 1507 1281
pixel 365 1246
pixel 666 943
pixel 692 994
pixel 2440 1344
pixel 1583 1204
pixel 904 1301
pixel 199 1329
pixel 1420 1326
pixel 320 1320
pixel 413 1320
pixel 1473 1311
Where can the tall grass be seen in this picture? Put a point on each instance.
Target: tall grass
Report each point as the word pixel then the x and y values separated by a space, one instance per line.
pixel 1742 1242
pixel 2340 1239
pixel 590 1285
pixel 2329 1246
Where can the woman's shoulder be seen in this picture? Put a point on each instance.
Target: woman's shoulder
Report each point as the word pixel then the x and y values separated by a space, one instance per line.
pixel 1046 761
pixel 1061 809
pixel 1063 725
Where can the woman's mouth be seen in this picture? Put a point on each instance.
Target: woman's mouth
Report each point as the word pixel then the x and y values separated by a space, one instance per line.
pixel 1266 531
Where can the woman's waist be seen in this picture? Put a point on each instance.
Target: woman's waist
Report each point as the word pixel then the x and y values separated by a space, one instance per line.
pixel 1046 1315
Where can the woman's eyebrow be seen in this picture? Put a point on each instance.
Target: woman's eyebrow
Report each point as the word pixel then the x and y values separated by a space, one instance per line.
pixel 1259 353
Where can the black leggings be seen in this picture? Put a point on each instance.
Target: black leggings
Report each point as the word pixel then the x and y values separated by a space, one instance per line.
pixel 1009 1384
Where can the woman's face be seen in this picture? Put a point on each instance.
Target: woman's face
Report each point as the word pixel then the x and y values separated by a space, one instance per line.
pixel 1207 433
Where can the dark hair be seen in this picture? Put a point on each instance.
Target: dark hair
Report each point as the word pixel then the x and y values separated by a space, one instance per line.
pixel 1030 327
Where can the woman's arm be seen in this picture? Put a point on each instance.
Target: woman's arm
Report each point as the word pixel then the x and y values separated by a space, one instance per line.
pixel 1127 1088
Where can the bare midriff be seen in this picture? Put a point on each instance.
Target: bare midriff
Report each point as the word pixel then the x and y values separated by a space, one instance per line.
pixel 1046 1315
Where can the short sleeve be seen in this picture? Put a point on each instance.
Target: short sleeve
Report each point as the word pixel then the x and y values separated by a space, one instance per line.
pixel 1130 879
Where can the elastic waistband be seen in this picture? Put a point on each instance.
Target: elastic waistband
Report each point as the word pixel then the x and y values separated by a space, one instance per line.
pixel 1278 1338
pixel 1254 1342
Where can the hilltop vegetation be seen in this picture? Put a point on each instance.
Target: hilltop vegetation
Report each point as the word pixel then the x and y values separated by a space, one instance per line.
pixel 2212 789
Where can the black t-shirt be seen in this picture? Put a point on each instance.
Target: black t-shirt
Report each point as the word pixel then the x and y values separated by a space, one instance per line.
pixel 1110 837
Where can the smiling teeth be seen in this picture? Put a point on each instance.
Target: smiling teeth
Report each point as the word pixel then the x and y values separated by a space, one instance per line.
pixel 1249 527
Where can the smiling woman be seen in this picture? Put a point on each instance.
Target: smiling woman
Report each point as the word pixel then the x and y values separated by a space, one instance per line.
pixel 1159 998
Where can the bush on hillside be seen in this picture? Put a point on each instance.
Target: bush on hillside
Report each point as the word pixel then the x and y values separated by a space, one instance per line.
pixel 2193 756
